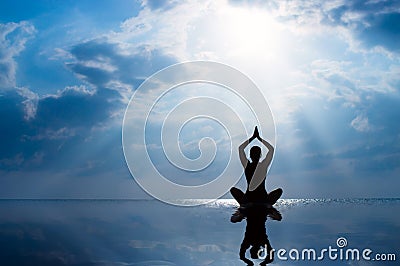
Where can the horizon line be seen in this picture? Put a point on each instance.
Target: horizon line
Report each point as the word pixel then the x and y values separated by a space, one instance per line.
pixel 138 199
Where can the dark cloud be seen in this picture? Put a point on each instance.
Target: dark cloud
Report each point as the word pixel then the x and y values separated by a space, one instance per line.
pixel 375 23
pixel 77 130
pixel 63 123
pixel 384 30
pixel 100 62
pixel 13 124
pixel 74 108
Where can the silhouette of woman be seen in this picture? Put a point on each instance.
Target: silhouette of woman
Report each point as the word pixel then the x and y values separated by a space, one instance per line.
pixel 255 172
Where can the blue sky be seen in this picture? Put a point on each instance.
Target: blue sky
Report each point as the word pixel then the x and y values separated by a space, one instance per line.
pixel 329 70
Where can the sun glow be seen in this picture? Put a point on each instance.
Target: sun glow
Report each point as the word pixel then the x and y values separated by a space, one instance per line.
pixel 239 33
pixel 251 31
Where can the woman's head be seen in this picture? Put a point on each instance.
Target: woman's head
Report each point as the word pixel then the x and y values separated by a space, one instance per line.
pixel 255 153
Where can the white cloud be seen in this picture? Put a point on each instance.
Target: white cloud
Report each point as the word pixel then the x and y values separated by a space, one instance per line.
pixel 361 124
pixel 50 134
pixel 30 104
pixel 166 28
pixel 278 37
pixel 60 53
pixel 13 37
pixel 352 82
pixel 334 82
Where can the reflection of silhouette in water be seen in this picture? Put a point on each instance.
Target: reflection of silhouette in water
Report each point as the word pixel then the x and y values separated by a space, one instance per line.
pixel 271 199
pixel 256 234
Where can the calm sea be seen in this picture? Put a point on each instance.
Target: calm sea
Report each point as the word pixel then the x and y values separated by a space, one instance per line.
pixel 149 232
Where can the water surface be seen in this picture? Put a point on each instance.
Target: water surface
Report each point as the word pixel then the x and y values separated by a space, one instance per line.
pixel 149 232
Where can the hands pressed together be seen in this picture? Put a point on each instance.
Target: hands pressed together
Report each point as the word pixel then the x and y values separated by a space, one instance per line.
pixel 256 135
